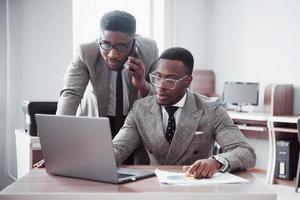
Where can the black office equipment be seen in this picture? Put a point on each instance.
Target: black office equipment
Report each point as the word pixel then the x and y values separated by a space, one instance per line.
pixel 286 159
pixel 30 108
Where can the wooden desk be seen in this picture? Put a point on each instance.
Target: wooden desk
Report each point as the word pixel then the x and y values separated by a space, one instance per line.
pixel 257 122
pixel 260 122
pixel 250 121
pixel 277 125
pixel 40 185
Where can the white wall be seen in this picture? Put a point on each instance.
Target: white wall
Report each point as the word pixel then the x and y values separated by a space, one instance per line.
pixel 242 40
pixel 3 176
pixel 190 28
pixel 255 40
pixel 39 50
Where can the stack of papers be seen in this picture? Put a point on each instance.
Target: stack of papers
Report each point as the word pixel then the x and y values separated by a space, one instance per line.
pixel 175 178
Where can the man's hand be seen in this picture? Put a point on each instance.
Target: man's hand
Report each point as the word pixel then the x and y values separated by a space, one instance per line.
pixel 204 168
pixel 136 68
pixel 40 164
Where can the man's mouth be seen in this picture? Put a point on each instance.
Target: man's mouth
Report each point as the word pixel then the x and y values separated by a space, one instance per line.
pixel 162 95
pixel 112 62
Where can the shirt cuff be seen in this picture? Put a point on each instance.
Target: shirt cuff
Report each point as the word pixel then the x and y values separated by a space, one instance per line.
pixel 223 161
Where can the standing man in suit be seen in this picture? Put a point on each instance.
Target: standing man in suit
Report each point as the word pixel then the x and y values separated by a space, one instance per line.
pixel 180 127
pixel 97 84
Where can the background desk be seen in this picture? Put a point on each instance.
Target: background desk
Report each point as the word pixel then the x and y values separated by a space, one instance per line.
pixel 280 127
pixel 261 122
pixel 40 185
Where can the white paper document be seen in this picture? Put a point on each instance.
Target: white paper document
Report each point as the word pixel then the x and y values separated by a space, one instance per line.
pixel 175 178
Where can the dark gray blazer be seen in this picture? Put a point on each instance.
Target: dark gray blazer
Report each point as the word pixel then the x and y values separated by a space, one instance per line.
pixel 201 123
pixel 86 81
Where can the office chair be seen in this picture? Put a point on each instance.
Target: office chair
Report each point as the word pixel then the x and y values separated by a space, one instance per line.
pixel 203 82
pixel 297 184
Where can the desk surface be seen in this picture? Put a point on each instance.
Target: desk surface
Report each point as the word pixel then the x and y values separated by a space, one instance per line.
pixel 263 116
pixel 285 119
pixel 256 116
pixel 40 185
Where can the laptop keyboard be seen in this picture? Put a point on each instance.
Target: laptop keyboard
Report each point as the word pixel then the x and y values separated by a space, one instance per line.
pixel 121 175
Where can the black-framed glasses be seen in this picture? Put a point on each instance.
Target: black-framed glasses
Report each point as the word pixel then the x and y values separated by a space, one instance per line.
pixel 119 47
pixel 168 82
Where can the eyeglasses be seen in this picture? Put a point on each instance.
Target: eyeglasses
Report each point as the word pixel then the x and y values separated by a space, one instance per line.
pixel 168 82
pixel 122 48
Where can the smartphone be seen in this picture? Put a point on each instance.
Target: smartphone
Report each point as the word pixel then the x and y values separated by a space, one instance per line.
pixel 132 54
pixel 134 46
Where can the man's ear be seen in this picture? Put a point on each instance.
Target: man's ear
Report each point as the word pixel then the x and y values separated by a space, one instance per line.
pixel 189 80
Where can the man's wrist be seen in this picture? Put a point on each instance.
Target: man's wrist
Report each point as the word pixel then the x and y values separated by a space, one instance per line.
pixel 224 163
pixel 144 89
pixel 218 164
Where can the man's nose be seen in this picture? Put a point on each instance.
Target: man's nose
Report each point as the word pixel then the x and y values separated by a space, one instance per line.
pixel 161 84
pixel 160 89
pixel 113 53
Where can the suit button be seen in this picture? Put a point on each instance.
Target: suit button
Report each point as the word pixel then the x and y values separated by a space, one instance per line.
pixel 195 152
pixel 150 151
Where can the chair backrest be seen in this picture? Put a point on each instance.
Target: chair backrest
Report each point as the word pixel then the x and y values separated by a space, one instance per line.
pixel 279 99
pixel 203 82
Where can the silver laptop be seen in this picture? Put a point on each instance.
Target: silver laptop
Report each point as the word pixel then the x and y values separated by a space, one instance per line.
pixel 81 147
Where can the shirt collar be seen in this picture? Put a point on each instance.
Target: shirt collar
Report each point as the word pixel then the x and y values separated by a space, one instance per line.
pixel 181 103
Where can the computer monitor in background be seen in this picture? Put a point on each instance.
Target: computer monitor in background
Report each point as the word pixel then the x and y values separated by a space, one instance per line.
pixel 241 93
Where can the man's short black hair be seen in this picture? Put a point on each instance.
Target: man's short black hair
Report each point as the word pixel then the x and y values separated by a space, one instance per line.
pixel 179 53
pixel 117 20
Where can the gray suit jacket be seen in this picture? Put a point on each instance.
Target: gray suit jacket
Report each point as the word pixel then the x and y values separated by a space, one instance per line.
pixel 201 123
pixel 86 81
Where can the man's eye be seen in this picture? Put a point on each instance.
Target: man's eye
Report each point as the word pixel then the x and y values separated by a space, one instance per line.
pixel 170 81
pixel 106 44
pixel 121 46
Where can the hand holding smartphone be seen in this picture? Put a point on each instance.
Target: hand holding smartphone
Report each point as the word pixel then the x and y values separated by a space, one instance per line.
pixel 136 69
pixel 133 54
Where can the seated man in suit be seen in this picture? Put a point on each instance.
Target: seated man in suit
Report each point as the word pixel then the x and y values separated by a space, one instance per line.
pixel 179 127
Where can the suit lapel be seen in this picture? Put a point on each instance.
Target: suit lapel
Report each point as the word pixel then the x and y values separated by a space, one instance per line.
pixel 132 92
pixel 154 127
pixel 185 129
pixel 102 80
